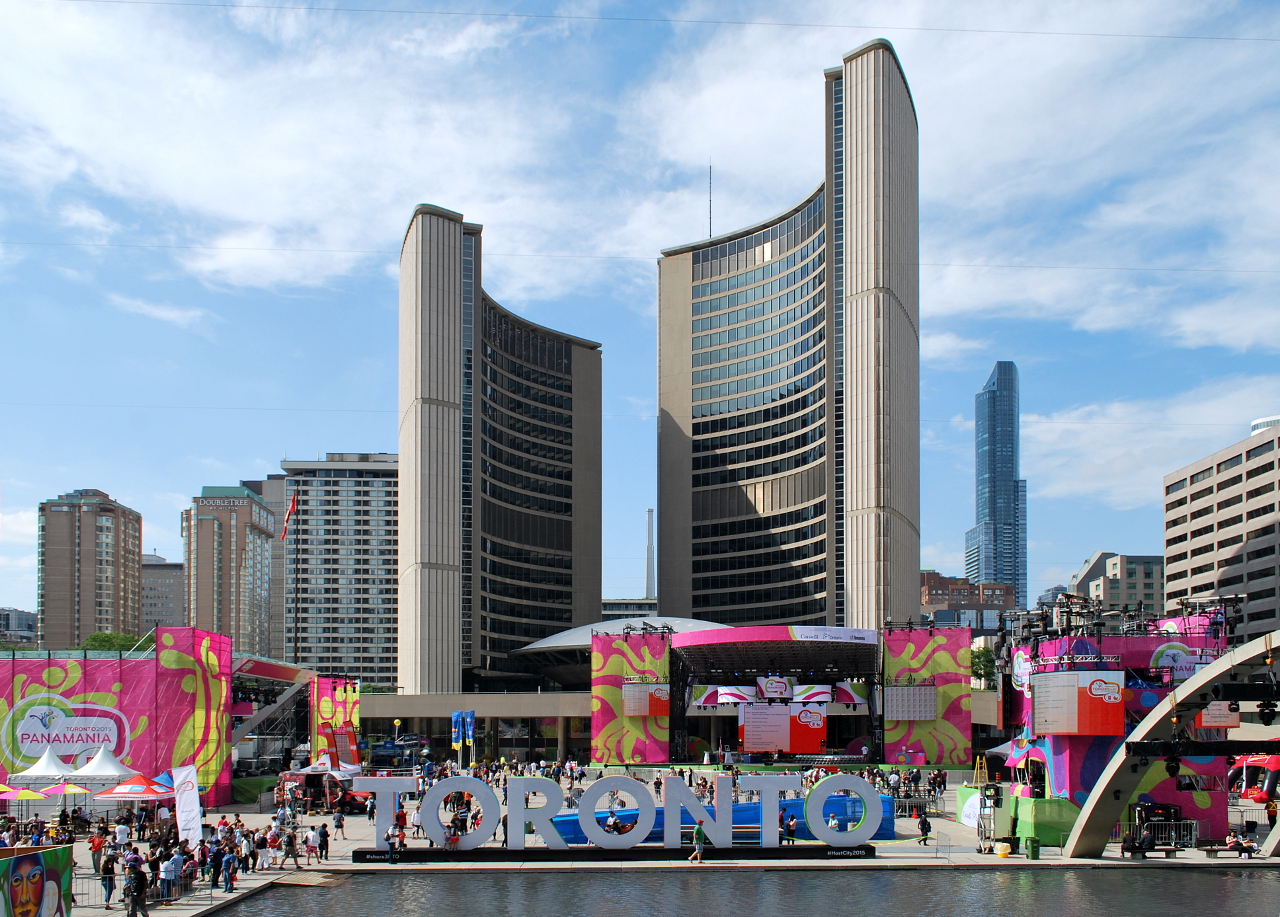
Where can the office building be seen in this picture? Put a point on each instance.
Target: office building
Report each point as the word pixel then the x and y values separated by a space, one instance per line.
pixel 227 536
pixel 340 562
pixel 940 593
pixel 1220 530
pixel 618 609
pixel 788 387
pixel 164 593
pixel 1121 582
pixel 21 628
pixel 90 558
pixel 995 549
pixel 500 470
pixel 272 492
pixel 1050 595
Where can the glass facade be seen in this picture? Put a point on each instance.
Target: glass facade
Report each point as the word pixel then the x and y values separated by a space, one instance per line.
pixel 996 547
pixel 759 388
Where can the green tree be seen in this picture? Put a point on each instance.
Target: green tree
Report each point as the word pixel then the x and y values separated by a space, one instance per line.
pixel 117 643
pixel 983 666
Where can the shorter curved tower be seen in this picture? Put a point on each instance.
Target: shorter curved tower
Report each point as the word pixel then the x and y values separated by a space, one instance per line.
pixel 499 471
pixel 788 387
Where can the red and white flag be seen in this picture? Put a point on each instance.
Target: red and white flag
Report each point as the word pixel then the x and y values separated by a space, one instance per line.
pixel 293 508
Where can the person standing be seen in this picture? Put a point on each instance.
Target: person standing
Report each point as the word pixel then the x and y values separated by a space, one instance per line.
pixel 97 841
pixel 313 845
pixel 339 823
pixel 371 808
pixel 108 872
pixel 261 849
pixel 122 836
pixel 416 820
pixel 323 834
pixel 166 880
pixel 791 830
pixel 699 841
pixel 230 862
pixel 137 888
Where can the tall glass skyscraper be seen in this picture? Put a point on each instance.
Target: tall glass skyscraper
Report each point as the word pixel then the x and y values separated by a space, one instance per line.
pixel 788 387
pixel 995 550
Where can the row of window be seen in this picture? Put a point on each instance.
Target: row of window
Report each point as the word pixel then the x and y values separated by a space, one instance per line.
pixel 772 288
pixel 525 500
pixel 760 434
pixel 772 269
pixel 761 309
pixel 767 469
pixel 524 482
pixel 525 593
pixel 795 614
pixel 811 215
pixel 761 577
pixel 761 542
pixel 765 326
pixel 530 612
pixel 528 374
pixel 733 405
pixel 524 446
pixel 536 575
pixel 524 463
pixel 524 343
pixel 767 559
pixel 751 419
pixel 759 345
pixel 532 411
pixel 527 392
pixel 1225 465
pixel 763 380
pixel 1226 543
pixel 760 596
pixel 524 555
pixel 755 453
pixel 517 628
pixel 759 523
pixel 525 427
pixel 729 370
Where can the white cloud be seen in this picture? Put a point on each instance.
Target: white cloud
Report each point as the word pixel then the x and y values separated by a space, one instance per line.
pixel 18 526
pixel 98 226
pixel 1117 452
pixel 182 316
pixel 943 558
pixel 946 347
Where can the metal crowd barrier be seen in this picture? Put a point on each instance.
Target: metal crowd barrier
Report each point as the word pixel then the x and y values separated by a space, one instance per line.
pixel 1167 833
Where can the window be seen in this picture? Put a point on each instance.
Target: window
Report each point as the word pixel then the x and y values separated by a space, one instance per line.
pixel 1182 574
pixel 1202 587
pixel 1229 482
pixel 1170 507
pixel 1230 521
pixel 1200 513
pixel 1260 469
pixel 1201 475
pixel 1261 615
pixel 1261 574
pixel 1231 561
pixel 1201 494
pixel 1261 594
pixel 1228 542
pixel 1259 491
pixel 1175 486
pixel 1203 549
pixel 1261 511
pixel 1231 581
pixel 1263 532
pixel 1260 450
pixel 1205 530
pixel 1174 558
pixel 1175 594
pixel 1203 568
pixel 1230 463
pixel 1268 551
pixel 1170 542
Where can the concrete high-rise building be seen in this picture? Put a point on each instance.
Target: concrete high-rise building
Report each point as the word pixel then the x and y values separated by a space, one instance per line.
pixel 164 593
pixel 340 590
pixel 1220 530
pixel 90 560
pixel 1120 582
pixel 995 550
pixel 19 627
pixel 272 492
pixel 500 470
pixel 788 387
pixel 227 536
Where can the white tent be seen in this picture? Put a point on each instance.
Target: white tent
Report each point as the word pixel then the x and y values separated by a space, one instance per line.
pixel 45 770
pixel 104 767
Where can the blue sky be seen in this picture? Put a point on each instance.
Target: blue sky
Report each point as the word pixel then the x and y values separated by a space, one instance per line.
pixel 200 210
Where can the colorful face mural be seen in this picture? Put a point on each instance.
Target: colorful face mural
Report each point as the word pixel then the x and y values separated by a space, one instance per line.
pixel 153 714
pixel 38 883
pixel 617 660
pixel 942 655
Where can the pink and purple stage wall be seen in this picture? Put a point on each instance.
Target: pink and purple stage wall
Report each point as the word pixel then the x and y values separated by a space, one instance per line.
pixel 1073 763
pixel 942 655
pixel 334 703
pixel 616 660
pixel 155 713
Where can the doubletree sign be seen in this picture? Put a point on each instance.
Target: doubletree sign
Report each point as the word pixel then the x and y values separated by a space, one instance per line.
pixel 679 800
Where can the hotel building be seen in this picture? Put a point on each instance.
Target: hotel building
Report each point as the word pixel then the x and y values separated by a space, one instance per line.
pixel 788 387
pixel 90 561
pixel 499 471
pixel 339 561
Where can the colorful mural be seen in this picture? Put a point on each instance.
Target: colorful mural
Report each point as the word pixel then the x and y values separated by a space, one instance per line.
pixel 38 881
pixel 334 702
pixel 942 655
pixel 617 660
pixel 154 713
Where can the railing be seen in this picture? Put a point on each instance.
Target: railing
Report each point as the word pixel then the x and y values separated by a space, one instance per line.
pixel 190 889
pixel 1167 833
pixel 915 806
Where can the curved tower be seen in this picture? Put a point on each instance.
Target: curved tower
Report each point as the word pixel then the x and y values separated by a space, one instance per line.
pixel 499 471
pixel 788 387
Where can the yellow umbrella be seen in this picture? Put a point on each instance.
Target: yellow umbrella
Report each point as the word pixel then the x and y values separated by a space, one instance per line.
pixel 23 794
pixel 62 789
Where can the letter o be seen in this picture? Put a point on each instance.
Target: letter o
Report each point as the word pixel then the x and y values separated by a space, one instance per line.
pixel 647 813
pixel 863 830
pixel 480 792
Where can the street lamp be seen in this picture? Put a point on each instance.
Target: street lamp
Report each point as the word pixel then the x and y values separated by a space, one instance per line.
pixel 397 725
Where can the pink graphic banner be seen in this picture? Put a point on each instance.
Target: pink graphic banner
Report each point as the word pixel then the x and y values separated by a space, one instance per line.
pixel 154 714
pixel 618 660
pixel 334 703
pixel 913 656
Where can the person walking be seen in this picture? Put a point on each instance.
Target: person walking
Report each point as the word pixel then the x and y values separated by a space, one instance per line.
pixel 291 850
pixel 107 870
pixel 137 891
pixel 699 840
pixel 230 862
pixel 340 824
pixel 313 845
pixel 371 808
pixel 323 834
pixel 923 826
